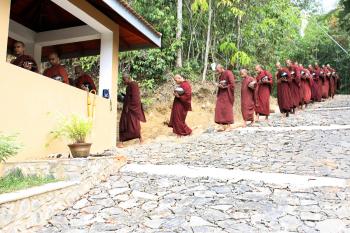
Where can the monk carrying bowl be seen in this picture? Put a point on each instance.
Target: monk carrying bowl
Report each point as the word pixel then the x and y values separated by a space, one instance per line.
pixel 223 83
pixel 265 79
pixel 252 84
pixel 179 90
pixel 58 78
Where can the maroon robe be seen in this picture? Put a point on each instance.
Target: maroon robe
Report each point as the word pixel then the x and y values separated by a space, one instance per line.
pixel 132 114
pixel 306 86
pixel 225 100
pixel 318 81
pixel 325 83
pixel 57 70
pixel 295 85
pixel 262 92
pixel 181 106
pixel 332 83
pixel 20 60
pixel 85 80
pixel 284 95
pixel 247 99
pixel 314 85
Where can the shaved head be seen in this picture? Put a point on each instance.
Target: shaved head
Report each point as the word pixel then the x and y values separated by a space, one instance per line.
pixel 243 72
pixel 219 68
pixel 178 79
pixel 19 48
pixel 54 59
pixel 258 68
pixel 278 65
pixel 126 78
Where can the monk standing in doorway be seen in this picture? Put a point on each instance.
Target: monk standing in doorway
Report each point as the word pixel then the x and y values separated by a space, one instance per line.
pixel 225 98
pixel 181 106
pixel 22 60
pixel 263 91
pixel 56 71
pixel 247 97
pixel 132 113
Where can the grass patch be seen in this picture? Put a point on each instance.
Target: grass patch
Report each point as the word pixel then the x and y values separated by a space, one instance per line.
pixel 15 180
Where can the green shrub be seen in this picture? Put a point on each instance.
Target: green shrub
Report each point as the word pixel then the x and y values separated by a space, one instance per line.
pixel 8 147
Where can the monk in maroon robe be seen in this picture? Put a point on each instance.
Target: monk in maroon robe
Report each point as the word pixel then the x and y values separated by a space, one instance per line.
pixel 306 83
pixel 314 86
pixel 132 113
pixel 247 97
pixel 56 71
pixel 301 89
pixel 332 84
pixel 22 60
pixel 284 95
pixel 262 92
pixel 225 98
pixel 319 72
pixel 83 81
pixel 294 85
pixel 181 106
pixel 325 82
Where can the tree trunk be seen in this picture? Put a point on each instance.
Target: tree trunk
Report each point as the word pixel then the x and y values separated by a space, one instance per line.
pixel 207 47
pixel 238 39
pixel 179 33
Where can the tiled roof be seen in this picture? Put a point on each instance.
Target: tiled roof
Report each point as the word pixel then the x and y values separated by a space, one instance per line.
pixel 128 7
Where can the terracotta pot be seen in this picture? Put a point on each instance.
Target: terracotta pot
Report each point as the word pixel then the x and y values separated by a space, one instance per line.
pixel 80 150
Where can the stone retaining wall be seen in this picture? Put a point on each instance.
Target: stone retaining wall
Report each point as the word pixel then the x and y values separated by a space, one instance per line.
pixel 22 210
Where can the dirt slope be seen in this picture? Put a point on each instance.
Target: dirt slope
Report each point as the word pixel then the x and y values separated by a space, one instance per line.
pixel 199 119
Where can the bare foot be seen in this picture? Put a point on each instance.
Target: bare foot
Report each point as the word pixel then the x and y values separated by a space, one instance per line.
pixel 228 129
pixel 120 145
pixel 252 123
pixel 142 141
pixel 244 124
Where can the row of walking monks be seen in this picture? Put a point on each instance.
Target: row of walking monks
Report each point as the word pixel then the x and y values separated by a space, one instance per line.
pixel 56 71
pixel 297 87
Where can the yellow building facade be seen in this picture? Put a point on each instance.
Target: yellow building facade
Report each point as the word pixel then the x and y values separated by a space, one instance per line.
pixel 31 104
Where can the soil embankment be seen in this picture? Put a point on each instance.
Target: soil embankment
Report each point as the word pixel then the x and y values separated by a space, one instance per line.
pixel 199 119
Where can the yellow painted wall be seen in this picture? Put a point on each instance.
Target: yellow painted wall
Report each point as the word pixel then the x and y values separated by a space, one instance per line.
pixel 31 104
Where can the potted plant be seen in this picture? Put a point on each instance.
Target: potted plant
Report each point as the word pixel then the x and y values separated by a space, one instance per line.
pixel 77 129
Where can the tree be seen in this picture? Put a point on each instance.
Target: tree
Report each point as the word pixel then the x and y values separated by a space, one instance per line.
pixel 207 44
pixel 179 33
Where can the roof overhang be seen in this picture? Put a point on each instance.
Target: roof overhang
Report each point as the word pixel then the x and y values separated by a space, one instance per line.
pixel 135 20
pixel 61 25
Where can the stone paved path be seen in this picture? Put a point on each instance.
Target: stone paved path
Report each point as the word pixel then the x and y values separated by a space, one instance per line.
pixel 267 179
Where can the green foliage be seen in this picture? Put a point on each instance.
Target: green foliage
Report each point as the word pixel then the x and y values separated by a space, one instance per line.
pixel 189 70
pixel 148 84
pixel 90 64
pixel 75 128
pixel 16 180
pixel 147 101
pixel 344 15
pixel 228 48
pixel 243 33
pixel 232 6
pixel 200 5
pixel 242 58
pixel 8 147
